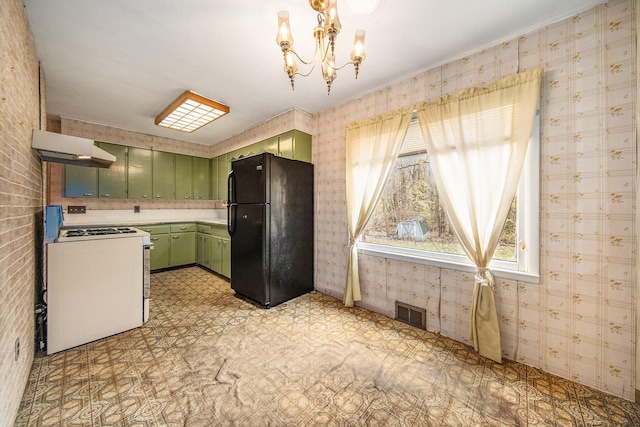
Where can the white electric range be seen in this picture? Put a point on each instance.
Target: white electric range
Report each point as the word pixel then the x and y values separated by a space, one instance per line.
pixel 97 284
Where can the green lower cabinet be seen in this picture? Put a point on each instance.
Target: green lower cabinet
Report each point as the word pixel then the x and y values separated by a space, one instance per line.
pixel 173 244
pixel 225 268
pixel 220 250
pixel 216 254
pixel 204 250
pixel 160 252
pixel 183 244
pixel 161 245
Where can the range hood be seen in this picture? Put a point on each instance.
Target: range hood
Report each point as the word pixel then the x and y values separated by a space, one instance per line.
pixel 72 150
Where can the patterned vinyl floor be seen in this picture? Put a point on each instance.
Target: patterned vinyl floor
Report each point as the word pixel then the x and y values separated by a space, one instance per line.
pixel 208 358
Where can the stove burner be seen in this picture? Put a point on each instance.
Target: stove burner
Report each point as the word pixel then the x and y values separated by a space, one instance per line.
pixel 80 232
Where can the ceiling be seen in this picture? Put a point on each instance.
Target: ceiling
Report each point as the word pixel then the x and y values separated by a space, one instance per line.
pixel 121 62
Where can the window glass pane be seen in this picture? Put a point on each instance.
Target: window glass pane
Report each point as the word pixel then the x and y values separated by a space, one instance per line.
pixel 410 214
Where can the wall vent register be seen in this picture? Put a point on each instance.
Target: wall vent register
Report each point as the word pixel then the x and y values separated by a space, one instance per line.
pixel 412 315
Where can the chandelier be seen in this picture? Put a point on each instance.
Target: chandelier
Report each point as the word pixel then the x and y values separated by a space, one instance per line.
pixel 325 34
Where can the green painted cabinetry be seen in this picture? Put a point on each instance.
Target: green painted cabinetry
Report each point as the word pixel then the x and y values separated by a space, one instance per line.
pixel 214 248
pixel 173 244
pixel 184 177
pixel 160 238
pixel 80 181
pixel 213 170
pixel 203 251
pixel 224 167
pixel 201 179
pixel 183 244
pixel 139 166
pixel 112 181
pixel 221 250
pixel 163 175
pixel 140 173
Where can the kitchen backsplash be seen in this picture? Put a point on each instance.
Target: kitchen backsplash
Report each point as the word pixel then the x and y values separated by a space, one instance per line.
pixel 145 216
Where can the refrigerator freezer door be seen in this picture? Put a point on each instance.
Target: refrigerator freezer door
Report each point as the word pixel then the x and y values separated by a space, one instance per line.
pixel 249 256
pixel 249 180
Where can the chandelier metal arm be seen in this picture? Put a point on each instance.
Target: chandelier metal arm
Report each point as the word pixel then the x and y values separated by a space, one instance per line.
pixel 325 35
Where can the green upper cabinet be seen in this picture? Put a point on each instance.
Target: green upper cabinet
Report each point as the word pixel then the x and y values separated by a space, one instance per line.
pixel 224 167
pixel 271 145
pixel 213 164
pixel 112 181
pixel 164 175
pixel 295 145
pixel 140 173
pixel 139 168
pixel 80 181
pixel 201 178
pixel 184 177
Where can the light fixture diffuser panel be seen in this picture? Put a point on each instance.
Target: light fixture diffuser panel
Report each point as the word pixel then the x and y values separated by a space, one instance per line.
pixel 190 112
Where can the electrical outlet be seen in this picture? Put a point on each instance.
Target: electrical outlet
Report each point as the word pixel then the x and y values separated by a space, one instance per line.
pixel 76 209
pixel 136 209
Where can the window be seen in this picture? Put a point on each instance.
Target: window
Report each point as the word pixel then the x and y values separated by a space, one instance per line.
pixel 410 223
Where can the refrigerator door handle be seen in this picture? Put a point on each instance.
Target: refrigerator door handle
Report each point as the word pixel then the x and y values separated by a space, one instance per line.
pixel 231 188
pixel 231 211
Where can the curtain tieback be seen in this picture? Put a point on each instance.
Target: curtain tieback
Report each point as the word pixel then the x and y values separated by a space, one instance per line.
pixel 351 243
pixel 484 277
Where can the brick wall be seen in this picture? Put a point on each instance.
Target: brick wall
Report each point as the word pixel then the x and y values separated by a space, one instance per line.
pixel 20 203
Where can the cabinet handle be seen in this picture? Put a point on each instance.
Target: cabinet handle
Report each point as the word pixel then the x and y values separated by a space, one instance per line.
pixel 198 197
pixel 183 228
pixel 187 197
pixel 175 237
pixel 105 195
pixel 87 194
pixel 158 196
pixel 145 196
pixel 155 238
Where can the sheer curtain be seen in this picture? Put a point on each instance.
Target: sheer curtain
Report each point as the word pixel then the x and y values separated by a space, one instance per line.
pixel 372 148
pixel 477 140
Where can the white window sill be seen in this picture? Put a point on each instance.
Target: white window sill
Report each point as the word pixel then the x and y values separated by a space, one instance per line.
pixel 452 262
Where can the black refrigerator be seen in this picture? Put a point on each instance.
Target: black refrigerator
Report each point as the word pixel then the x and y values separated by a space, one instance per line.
pixel 270 221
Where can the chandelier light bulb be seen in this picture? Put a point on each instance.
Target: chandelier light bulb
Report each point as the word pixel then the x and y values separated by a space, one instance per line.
pixel 284 38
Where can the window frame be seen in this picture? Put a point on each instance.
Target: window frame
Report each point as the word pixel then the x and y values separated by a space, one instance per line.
pixel 526 268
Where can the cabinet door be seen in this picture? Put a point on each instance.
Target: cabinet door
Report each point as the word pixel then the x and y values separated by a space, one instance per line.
pixel 203 251
pixel 201 179
pixel 112 181
pixel 183 249
pixel 271 145
pixel 160 252
pixel 301 146
pixel 225 258
pixel 214 179
pixel 295 145
pixel 224 167
pixel 200 248
pixel 164 175
pixel 184 177
pixel 285 145
pixel 216 254
pixel 206 251
pixel 80 181
pixel 139 168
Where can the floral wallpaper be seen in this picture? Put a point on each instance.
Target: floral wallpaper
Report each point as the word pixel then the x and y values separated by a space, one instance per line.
pixel 578 322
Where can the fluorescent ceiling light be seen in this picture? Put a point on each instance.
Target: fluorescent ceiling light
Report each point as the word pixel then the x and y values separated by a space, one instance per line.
pixel 190 112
